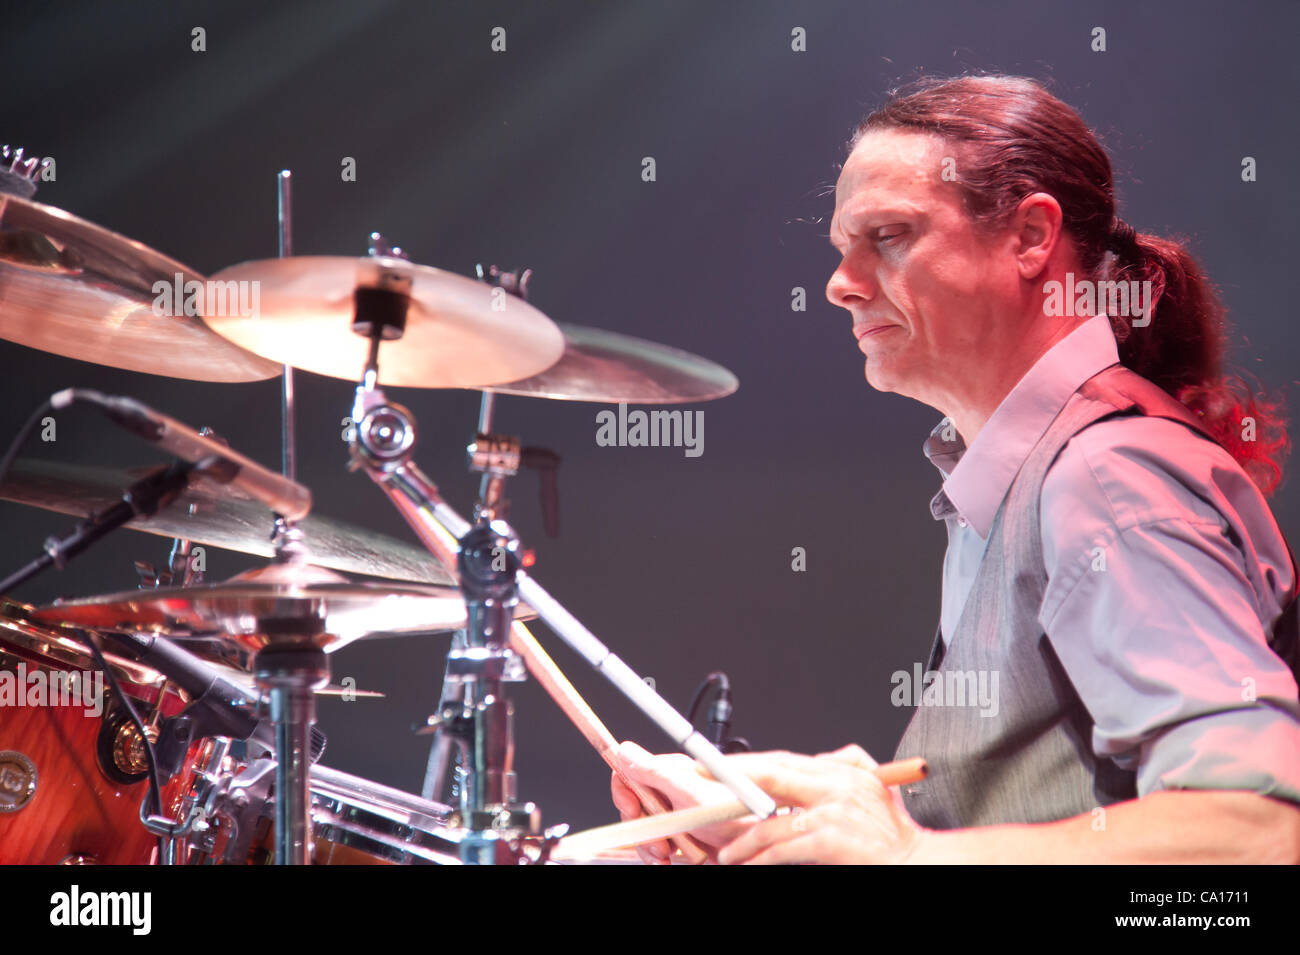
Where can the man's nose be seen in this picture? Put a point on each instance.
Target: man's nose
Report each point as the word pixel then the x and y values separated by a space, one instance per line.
pixel 849 286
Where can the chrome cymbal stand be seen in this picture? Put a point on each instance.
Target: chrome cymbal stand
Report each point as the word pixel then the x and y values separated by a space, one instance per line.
pixel 284 208
pixel 488 558
pixel 476 714
pixel 291 669
pixel 292 666
pixel 496 457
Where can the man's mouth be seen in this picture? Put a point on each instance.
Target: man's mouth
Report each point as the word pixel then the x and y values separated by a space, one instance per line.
pixel 864 331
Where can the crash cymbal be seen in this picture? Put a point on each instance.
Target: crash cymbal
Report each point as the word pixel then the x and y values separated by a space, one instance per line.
pixel 218 515
pixel 612 368
pixel 459 333
pixel 72 288
pixel 274 604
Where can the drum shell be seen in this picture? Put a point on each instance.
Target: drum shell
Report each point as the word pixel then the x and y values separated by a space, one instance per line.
pixel 77 813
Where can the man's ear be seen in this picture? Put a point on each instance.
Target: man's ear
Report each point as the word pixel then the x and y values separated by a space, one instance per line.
pixel 1036 227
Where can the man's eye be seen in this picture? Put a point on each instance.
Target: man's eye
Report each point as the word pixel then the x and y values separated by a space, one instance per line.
pixel 885 235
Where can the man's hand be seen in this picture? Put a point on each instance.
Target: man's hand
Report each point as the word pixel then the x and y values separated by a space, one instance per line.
pixel 682 783
pixel 843 814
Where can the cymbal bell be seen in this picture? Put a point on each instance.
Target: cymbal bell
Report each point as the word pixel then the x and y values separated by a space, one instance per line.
pixel 612 368
pixel 72 288
pixel 459 333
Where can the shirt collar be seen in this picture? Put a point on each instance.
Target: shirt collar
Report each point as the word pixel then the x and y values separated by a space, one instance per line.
pixel 978 478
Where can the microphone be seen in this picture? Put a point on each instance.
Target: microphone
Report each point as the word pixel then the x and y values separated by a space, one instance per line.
pixel 227 707
pixel 287 498
pixel 720 713
pixel 220 706
pixel 156 489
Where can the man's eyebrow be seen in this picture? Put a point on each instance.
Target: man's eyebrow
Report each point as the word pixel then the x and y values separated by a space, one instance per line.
pixel 836 220
pixel 905 211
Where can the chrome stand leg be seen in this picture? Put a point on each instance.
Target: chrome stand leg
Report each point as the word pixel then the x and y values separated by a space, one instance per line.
pixel 291 674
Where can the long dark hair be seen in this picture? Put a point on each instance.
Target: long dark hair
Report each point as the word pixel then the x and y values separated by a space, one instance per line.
pixel 1011 138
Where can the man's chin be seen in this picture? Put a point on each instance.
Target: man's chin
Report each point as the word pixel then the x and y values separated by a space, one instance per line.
pixel 880 377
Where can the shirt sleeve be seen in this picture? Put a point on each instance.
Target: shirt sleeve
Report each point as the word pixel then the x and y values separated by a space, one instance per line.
pixel 1166 571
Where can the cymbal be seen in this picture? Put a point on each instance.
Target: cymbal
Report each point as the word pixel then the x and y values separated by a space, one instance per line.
pixel 72 288
pixel 612 368
pixel 280 603
pixel 219 515
pixel 459 333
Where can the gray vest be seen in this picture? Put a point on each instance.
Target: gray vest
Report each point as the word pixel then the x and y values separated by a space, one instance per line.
pixel 1032 761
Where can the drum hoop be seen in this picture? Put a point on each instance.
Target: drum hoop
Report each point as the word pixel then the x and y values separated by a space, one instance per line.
pixel 385 822
pixel 45 646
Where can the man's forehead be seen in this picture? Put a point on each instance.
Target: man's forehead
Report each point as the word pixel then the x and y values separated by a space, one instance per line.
pixel 888 165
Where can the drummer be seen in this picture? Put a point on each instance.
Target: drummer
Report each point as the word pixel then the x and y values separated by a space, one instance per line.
pixel 1110 551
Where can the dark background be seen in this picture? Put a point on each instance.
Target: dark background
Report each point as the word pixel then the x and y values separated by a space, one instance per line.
pixel 533 157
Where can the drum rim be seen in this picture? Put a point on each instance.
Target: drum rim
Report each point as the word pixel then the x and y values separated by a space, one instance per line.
pixel 48 646
pixel 380 820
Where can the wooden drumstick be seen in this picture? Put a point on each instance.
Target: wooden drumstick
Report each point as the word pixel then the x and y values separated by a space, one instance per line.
pixel 638 831
pixel 553 680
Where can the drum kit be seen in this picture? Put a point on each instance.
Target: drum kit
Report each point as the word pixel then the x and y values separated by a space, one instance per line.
pixel 203 747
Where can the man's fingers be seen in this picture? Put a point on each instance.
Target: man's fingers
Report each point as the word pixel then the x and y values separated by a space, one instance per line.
pixel 629 807
pixel 778 756
pixel 761 837
pixel 672 775
pixel 791 786
pixel 654 853
pixel 625 801
pixel 853 754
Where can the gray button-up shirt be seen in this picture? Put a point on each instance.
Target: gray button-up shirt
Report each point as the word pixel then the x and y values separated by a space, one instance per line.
pixel 1166 570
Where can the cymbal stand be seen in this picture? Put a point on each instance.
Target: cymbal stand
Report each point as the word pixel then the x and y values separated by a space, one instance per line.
pixel 477 714
pixel 284 216
pixel 496 457
pixel 292 666
pixel 489 561
pixel 287 537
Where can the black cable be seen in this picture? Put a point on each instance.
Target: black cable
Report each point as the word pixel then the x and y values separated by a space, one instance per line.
pixel 716 677
pixel 728 744
pixel 155 789
pixel 55 402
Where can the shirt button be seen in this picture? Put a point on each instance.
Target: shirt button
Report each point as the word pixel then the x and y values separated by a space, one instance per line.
pixel 962 522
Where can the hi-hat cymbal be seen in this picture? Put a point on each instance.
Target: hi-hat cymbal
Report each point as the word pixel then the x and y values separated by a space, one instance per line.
pixel 218 515
pixel 72 288
pixel 459 333
pixel 612 368
pixel 275 604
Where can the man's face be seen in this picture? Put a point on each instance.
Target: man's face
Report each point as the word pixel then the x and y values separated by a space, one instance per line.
pixel 926 293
